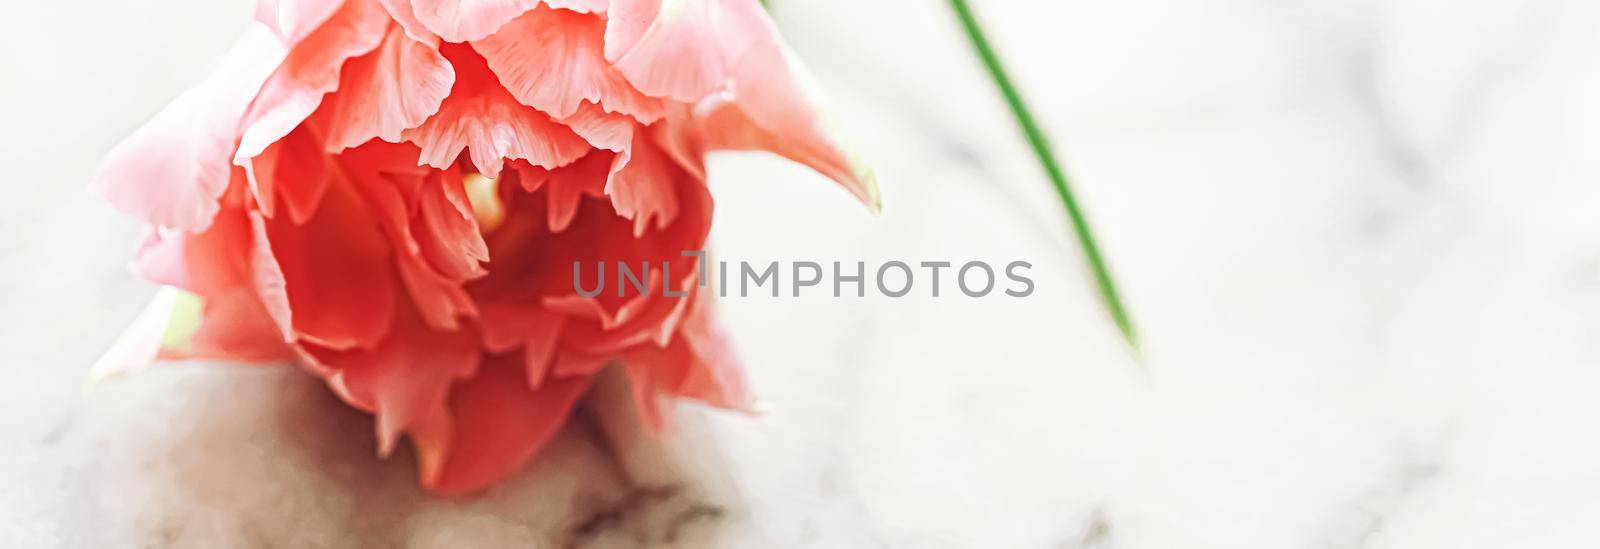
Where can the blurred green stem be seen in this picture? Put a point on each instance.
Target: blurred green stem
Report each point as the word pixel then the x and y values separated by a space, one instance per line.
pixel 1047 159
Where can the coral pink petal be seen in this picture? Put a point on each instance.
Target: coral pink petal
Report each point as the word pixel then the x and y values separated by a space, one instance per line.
pixel 510 324
pixel 388 91
pixel 770 109
pixel 294 169
pixel 679 55
pixel 484 119
pixel 267 278
pixel 408 376
pixel 568 186
pixel 539 351
pixel 715 375
pixel 467 20
pixel 310 71
pixel 498 425
pixel 439 297
pixel 293 20
pixel 699 363
pixel 446 228
pixel 603 130
pixel 235 327
pixel 337 274
pixel 553 60
pixel 210 263
pixel 729 128
pixel 171 172
pixel 549 59
pixel 441 300
pixel 642 185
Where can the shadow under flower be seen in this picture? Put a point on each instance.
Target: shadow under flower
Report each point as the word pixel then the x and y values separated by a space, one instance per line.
pixel 209 455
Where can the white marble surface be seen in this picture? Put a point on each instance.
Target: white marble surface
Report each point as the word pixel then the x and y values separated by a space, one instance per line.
pixel 1361 239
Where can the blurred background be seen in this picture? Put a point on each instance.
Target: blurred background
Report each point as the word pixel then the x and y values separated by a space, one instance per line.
pixel 1359 237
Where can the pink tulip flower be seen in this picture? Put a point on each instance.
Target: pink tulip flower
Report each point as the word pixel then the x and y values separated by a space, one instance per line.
pixel 392 194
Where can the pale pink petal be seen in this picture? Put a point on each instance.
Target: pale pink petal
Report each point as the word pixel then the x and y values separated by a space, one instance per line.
pixel 603 130
pixel 768 108
pixel 171 172
pixel 311 70
pixel 482 118
pixel 467 20
pixel 679 55
pixel 140 342
pixel 293 20
pixel 553 60
pixel 403 14
pixel 580 6
pixel 388 91
pixel 492 129
pixel 162 259
pixel 626 22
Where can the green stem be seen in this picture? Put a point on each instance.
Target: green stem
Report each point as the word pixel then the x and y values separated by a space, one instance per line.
pixel 1041 149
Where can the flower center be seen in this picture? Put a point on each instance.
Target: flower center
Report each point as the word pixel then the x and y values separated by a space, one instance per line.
pixel 484 195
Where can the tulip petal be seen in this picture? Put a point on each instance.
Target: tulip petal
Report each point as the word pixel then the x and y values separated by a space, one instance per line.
pixel 403 14
pixel 407 377
pixel 641 185
pixel 603 130
pixel 770 109
pixel 567 187
pixel 512 324
pixel 498 425
pixel 580 6
pixel 140 342
pixel 486 121
pixel 467 20
pixel 446 228
pixel 310 71
pixel 337 277
pixel 171 172
pixel 626 23
pixel 715 375
pixel 679 55
pixel 234 327
pixel 293 20
pixel 699 363
pixel 437 295
pixel 553 60
pixel 388 91
pixel 295 169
